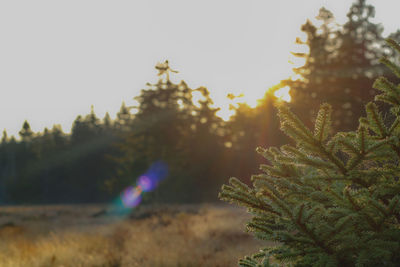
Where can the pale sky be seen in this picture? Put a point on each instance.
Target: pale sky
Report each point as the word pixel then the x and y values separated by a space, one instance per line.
pixel 57 58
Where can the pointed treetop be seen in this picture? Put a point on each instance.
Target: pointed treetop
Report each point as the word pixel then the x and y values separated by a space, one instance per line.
pixel 123 111
pixel 4 138
pixel 57 129
pixel 26 131
pixel 107 120
pixel 164 69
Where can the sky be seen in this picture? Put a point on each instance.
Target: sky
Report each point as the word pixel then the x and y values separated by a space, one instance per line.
pixel 58 58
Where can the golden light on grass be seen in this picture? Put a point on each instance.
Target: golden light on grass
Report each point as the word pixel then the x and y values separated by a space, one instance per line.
pixel 180 235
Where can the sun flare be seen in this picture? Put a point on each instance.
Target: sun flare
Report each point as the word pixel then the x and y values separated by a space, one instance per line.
pixel 283 94
pixel 227 109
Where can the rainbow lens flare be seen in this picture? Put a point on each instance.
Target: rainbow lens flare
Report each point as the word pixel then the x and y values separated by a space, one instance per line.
pixel 146 183
pixel 132 195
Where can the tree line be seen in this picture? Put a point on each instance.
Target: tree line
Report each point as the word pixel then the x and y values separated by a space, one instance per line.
pixel 100 157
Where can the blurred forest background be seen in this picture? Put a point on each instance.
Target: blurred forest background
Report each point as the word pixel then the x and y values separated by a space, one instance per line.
pixel 178 125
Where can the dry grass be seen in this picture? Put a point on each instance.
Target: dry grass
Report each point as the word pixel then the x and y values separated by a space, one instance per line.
pixel 150 236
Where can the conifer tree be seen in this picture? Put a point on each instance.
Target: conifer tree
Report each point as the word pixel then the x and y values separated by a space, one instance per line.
pixel 4 138
pixel 178 125
pixel 341 64
pixel 330 200
pixel 26 133
pixel 124 119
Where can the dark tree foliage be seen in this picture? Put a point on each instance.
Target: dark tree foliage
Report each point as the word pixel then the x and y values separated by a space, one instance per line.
pixel 52 167
pixel 244 131
pixel 101 157
pixel 340 66
pixel 169 126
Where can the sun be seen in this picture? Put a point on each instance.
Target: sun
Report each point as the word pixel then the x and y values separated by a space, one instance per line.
pixel 283 94
pixel 227 106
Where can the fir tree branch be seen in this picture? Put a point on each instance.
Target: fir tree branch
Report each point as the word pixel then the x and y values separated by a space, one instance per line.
pixel 393 44
pixel 391 92
pixel 375 120
pixel 335 160
pixel 361 134
pixel 323 122
pixel 396 149
pixel 394 126
pixel 393 67
pixel 287 116
pixel 314 237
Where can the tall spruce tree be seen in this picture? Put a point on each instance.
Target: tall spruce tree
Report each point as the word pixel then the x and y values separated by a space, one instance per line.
pixel 330 200
pixel 26 133
pixel 341 64
pixel 170 127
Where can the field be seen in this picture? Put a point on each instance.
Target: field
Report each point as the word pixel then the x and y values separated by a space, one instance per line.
pixel 93 235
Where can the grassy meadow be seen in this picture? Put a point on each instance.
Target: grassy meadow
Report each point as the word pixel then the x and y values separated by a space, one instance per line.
pixel 92 235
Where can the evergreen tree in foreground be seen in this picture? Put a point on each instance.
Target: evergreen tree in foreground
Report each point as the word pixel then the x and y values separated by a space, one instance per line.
pixel 330 200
